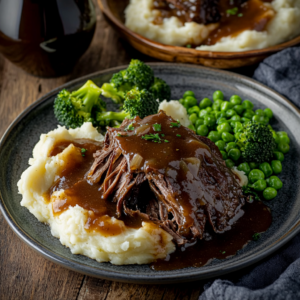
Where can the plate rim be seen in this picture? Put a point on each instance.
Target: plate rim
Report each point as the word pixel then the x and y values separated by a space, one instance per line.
pixel 133 278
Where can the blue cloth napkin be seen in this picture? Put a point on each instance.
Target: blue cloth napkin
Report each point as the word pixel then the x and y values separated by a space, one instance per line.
pixel 277 277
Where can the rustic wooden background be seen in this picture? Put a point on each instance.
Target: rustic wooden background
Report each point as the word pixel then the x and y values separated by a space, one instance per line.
pixel 23 273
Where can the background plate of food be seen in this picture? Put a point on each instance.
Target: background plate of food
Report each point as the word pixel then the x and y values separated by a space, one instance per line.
pixel 130 240
pixel 220 34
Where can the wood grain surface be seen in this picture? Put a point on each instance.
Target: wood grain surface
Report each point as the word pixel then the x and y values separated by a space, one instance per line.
pixel 23 273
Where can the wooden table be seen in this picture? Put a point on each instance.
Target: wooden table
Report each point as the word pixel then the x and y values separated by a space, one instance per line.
pixel 23 273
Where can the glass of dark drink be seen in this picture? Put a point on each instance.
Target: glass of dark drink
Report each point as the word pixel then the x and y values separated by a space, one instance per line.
pixel 46 37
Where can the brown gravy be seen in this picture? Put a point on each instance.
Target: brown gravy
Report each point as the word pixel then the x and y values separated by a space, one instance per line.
pixel 257 218
pixel 78 191
pixel 251 15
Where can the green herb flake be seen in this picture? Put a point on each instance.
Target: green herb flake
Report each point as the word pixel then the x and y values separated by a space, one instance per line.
pixel 130 127
pixel 152 137
pixel 179 135
pixel 240 15
pixel 223 252
pixel 175 124
pixel 256 236
pixel 232 11
pixel 83 151
pixel 189 46
pixel 157 127
pixel 249 191
pixel 119 134
pixel 166 141
pixel 162 135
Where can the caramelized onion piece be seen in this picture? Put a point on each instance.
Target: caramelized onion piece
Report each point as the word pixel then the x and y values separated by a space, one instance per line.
pixel 136 162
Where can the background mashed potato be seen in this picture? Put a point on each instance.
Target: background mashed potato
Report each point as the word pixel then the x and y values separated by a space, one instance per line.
pixel 132 246
pixel 284 26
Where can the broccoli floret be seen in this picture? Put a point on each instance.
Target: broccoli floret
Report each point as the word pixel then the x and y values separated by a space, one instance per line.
pixel 72 109
pixel 137 76
pixel 111 118
pixel 140 103
pixel 256 142
pixel 160 90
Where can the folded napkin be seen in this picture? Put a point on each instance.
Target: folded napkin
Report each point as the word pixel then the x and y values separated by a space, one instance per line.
pixel 277 277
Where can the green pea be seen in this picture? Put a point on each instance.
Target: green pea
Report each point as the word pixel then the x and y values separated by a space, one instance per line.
pixel 233 124
pixel 275 182
pixel 235 100
pixel 282 133
pixel 221 145
pixel 279 155
pixel 255 175
pixel 269 193
pixel 216 107
pixel 238 127
pixel 247 115
pixel 276 166
pixel 260 112
pixel 237 135
pixel 226 105
pixel 195 109
pixel 224 154
pixel 202 113
pixel 247 104
pixel 188 93
pixel 239 109
pixel 202 130
pixel 229 163
pixel 222 114
pixel 230 146
pixel 190 101
pixel 253 165
pixel 235 118
pixel 218 95
pixel 283 147
pixel 209 120
pixel 192 127
pixel 266 168
pixel 230 113
pixel 227 137
pixel 224 127
pixel 193 118
pixel 199 122
pixel 234 154
pixel 221 121
pixel 244 167
pixel 181 101
pixel 259 185
pixel 209 109
pixel 214 136
pixel 268 113
pixel 284 139
pixel 245 120
pixel 275 137
pixel 217 114
pixel 206 102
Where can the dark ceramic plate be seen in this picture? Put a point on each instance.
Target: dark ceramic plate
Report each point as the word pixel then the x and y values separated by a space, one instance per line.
pixel 17 144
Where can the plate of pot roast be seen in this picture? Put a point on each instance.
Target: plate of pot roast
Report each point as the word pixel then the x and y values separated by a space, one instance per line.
pixel 154 173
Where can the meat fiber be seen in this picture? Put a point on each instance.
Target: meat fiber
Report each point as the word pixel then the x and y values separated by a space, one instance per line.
pixel 190 185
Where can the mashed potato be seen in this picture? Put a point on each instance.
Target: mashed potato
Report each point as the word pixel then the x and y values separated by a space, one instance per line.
pixel 175 110
pixel 284 26
pixel 131 246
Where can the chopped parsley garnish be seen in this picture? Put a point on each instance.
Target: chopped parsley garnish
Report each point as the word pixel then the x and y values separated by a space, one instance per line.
pixel 175 124
pixel 189 46
pixel 223 252
pixel 162 135
pixel 157 127
pixel 179 135
pixel 256 236
pixel 130 127
pixel 247 190
pixel 119 134
pixel 232 11
pixel 154 138
pixel 83 151
pixel 240 15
